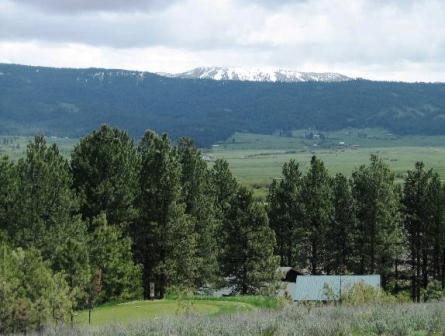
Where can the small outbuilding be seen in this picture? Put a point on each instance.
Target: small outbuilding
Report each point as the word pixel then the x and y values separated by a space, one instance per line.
pixel 329 287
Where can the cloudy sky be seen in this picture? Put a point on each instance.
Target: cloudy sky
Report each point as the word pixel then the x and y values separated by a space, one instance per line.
pixel 376 39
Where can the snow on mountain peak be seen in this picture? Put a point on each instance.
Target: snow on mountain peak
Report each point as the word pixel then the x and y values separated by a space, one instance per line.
pixel 260 75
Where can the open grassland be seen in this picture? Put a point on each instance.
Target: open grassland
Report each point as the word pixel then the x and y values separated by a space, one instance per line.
pixel 15 146
pixel 134 311
pixel 369 320
pixel 256 159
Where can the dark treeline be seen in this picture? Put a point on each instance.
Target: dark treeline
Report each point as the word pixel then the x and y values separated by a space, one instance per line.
pixel 121 221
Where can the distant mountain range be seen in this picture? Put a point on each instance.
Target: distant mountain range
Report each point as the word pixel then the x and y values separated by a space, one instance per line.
pixel 72 102
pixel 259 75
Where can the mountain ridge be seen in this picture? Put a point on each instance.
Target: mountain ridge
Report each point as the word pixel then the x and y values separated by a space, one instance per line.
pixel 72 102
pixel 258 75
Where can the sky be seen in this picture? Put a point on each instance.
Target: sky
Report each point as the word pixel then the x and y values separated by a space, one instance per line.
pixel 402 40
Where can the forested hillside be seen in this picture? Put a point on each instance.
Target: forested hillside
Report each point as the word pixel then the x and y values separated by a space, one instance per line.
pixel 70 102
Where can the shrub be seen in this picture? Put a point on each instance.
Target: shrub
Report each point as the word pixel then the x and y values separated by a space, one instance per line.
pixel 31 295
pixel 361 293
pixel 433 292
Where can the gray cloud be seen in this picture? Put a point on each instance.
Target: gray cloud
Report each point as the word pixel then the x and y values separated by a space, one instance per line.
pixel 323 34
pixel 79 6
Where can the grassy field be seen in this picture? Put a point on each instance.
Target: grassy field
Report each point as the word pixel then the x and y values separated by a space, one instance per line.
pixel 378 319
pixel 256 159
pixel 134 311
pixel 15 146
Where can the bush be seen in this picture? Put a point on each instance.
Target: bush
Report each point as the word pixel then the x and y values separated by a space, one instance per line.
pixel 31 295
pixel 360 294
pixel 433 292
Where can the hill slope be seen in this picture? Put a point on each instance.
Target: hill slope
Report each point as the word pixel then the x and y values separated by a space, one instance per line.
pixel 71 102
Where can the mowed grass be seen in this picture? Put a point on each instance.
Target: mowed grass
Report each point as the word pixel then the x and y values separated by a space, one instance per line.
pixel 135 311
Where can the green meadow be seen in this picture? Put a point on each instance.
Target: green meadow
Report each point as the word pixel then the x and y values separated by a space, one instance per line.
pixel 256 159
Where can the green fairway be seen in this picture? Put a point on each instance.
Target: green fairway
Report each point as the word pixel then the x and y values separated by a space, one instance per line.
pixel 142 310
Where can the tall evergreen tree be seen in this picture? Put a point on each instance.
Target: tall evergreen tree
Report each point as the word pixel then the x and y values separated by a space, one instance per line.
pixel 104 166
pixel 317 198
pixel 248 259
pixel 424 224
pixel 8 191
pixel 285 213
pixel 164 235
pixel 436 198
pixel 45 211
pixel 416 220
pixel 224 187
pixel 378 213
pixel 200 205
pixel 342 230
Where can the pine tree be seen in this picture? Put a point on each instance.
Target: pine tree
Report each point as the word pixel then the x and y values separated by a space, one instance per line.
pixel 200 205
pixel 317 199
pixel 104 166
pixel 424 219
pixel 164 235
pixel 436 201
pixel 378 213
pixel 285 213
pixel 8 193
pixel 342 231
pixel 45 217
pixel 224 187
pixel 248 258
pixel 111 254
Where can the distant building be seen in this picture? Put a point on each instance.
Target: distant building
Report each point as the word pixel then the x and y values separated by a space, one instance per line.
pixel 329 287
pixel 288 276
pixel 301 287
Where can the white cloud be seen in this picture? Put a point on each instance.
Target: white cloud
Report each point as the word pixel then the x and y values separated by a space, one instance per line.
pixel 378 39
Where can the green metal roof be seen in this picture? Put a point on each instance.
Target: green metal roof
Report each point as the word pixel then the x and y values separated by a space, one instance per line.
pixel 329 287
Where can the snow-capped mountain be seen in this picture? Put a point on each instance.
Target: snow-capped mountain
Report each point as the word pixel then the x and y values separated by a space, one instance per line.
pixel 259 75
